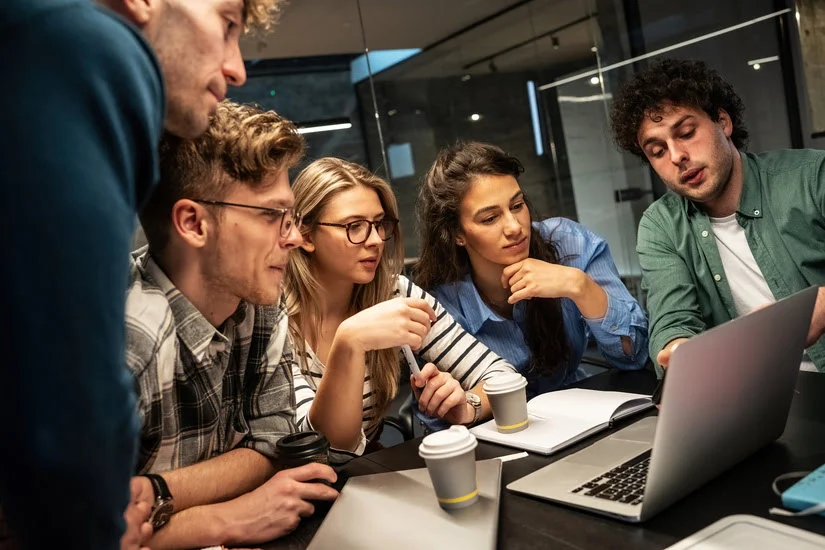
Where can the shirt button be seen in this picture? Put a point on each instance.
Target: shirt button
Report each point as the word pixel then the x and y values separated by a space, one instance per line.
pixel 756 212
pixel 704 233
pixel 717 277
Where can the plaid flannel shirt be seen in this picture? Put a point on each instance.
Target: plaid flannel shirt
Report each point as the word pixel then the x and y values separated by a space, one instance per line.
pixel 203 391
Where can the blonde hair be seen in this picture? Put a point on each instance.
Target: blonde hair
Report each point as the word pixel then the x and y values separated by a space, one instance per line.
pixel 242 144
pixel 314 188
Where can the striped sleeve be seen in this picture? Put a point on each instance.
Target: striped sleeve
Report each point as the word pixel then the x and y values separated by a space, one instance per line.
pixel 450 347
pixel 304 394
pixel 305 384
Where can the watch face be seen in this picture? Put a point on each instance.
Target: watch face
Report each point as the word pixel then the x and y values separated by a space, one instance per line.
pixel 473 399
pixel 161 514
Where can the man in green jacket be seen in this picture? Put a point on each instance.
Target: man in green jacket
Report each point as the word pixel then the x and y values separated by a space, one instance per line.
pixel 738 230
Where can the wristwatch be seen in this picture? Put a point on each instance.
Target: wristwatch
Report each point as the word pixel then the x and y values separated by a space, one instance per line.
pixel 164 503
pixel 475 401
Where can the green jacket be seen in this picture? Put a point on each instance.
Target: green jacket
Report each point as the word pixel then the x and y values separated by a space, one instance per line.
pixel 782 209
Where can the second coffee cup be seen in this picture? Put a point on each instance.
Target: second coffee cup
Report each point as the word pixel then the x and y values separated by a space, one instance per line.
pixel 451 460
pixel 507 394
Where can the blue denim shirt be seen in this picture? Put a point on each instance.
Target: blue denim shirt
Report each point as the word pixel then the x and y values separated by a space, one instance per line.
pixel 580 248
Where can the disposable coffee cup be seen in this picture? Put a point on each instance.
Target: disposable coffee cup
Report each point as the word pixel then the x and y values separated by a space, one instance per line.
pixel 508 398
pixel 302 448
pixel 451 460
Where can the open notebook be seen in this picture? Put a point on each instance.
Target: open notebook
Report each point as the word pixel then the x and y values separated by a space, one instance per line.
pixel 561 418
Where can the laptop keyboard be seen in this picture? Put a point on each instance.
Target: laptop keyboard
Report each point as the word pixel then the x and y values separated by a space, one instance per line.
pixel 625 483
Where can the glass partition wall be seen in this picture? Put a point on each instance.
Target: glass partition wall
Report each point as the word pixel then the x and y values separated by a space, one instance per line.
pixel 387 84
pixel 537 78
pixel 305 70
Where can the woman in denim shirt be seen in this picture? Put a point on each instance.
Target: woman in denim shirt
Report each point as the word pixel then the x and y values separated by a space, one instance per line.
pixel 533 292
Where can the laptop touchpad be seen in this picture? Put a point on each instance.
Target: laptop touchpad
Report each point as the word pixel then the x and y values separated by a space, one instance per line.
pixel 608 452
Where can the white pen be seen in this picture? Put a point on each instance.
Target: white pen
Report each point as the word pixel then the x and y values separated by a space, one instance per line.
pixel 411 360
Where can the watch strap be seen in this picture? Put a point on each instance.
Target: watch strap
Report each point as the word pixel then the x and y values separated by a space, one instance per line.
pixel 474 401
pixel 160 486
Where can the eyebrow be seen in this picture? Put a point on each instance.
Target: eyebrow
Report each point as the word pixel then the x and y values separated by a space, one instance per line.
pixel 357 217
pixel 518 194
pixel 278 203
pixel 674 126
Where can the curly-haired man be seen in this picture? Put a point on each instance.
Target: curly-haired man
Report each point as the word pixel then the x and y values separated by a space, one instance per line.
pixel 738 229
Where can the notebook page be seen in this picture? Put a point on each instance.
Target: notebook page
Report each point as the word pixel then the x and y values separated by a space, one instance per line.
pixel 590 406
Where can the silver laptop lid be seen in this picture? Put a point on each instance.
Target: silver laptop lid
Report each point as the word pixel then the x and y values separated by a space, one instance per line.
pixel 728 393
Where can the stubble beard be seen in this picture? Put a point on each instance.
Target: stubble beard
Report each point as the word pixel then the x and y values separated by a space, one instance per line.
pixel 186 116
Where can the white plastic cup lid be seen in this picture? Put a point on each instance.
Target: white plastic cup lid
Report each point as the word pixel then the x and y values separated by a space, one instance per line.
pixel 447 443
pixel 504 383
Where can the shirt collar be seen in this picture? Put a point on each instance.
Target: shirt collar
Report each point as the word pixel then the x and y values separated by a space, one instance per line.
pixel 191 326
pixel 750 203
pixel 476 311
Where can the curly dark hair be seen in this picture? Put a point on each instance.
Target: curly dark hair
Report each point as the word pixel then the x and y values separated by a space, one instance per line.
pixel 442 262
pixel 677 83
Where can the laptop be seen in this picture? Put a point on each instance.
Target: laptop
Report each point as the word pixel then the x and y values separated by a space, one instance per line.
pixel 728 394
pixel 399 510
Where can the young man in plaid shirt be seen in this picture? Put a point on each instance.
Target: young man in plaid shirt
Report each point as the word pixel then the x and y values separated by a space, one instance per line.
pixel 207 337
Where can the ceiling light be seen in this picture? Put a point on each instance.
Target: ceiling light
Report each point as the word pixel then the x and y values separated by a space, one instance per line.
pixel 594 49
pixel 465 78
pixel 324 126
pixel 475 117
pixel 595 80
pixel 392 112
pixel 757 63
pixel 555 41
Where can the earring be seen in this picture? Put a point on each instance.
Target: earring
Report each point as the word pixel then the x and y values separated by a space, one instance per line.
pixel 459 242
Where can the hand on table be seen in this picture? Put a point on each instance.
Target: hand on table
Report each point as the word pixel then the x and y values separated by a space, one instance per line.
pixel 275 508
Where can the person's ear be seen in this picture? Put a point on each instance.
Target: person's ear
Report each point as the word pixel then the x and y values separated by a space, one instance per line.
pixel 139 12
pixel 192 223
pixel 459 240
pixel 725 123
pixel 308 245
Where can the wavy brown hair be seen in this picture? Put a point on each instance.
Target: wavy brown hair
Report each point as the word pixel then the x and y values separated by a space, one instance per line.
pixel 262 15
pixel 673 82
pixel 258 15
pixel 443 262
pixel 242 144
pixel 314 188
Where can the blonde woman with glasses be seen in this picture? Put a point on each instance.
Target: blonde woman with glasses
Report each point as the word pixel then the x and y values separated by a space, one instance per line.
pixel 351 310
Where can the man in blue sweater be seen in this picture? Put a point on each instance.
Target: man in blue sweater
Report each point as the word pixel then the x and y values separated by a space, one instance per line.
pixel 83 108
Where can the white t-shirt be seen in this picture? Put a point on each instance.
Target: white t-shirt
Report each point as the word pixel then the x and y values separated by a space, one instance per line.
pixel 747 284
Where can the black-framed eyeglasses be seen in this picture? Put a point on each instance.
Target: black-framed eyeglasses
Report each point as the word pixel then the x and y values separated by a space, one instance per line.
pixel 359 231
pixel 288 216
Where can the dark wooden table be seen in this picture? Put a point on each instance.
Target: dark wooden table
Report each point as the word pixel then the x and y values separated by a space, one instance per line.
pixel 531 523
